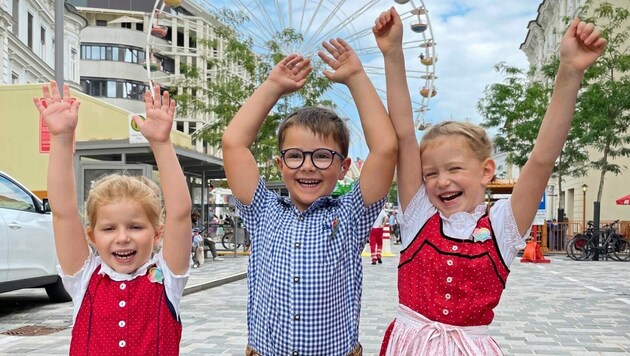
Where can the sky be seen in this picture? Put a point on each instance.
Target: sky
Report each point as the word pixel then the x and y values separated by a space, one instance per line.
pixel 471 36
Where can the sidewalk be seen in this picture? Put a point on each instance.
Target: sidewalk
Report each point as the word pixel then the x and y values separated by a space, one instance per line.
pixel 216 273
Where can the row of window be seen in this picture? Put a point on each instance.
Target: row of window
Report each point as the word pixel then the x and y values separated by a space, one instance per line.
pixel 112 88
pixel 113 53
pixel 123 54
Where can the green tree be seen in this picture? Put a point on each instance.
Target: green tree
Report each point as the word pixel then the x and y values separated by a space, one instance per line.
pixel 604 105
pixel 516 108
pixel 230 85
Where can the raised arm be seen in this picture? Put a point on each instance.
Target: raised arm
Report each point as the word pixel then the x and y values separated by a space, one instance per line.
pixel 388 31
pixel 156 129
pixel 288 76
pixel 378 169
pixel 581 45
pixel 61 116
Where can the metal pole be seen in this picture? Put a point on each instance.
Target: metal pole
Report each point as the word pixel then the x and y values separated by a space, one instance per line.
pixel 59 40
pixel 596 232
pixel 584 209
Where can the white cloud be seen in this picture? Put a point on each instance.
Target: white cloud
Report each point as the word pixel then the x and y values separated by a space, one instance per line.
pixel 471 36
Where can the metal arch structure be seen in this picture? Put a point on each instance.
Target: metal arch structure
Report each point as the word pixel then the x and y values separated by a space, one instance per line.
pixel 420 24
pixel 317 21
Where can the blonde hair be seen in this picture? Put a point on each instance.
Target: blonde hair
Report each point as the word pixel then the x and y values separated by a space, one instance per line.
pixel 475 136
pixel 115 187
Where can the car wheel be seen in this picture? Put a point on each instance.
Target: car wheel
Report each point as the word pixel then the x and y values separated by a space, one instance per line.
pixel 57 293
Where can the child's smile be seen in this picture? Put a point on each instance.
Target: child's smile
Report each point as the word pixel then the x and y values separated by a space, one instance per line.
pixel 123 235
pixel 454 176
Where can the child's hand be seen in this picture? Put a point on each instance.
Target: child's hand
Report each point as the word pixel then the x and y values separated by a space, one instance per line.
pixel 581 45
pixel 290 73
pixel 344 61
pixel 159 121
pixel 61 115
pixel 388 31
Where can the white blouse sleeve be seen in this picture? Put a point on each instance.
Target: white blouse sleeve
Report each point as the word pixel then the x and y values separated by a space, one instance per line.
pixel 506 230
pixel 415 216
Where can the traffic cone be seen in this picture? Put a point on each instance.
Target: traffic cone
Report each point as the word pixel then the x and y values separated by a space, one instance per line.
pixel 387 246
pixel 533 253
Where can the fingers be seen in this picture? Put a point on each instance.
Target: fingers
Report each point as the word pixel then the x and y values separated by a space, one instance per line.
pixel 148 100
pixel 66 93
pixel 171 108
pixel 166 101
pixel 38 105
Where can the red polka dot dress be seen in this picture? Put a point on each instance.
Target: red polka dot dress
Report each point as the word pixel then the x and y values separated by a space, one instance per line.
pixel 120 314
pixel 451 275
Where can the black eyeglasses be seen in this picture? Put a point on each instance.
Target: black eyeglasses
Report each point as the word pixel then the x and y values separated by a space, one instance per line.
pixel 322 158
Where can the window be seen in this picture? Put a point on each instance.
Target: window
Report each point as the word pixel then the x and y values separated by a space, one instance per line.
pixel 30 31
pixel 13 197
pixel 140 26
pixel 101 23
pixel 126 25
pixel 122 89
pixel 112 53
pixel 16 17
pixel 15 78
pixel 73 64
pixel 42 38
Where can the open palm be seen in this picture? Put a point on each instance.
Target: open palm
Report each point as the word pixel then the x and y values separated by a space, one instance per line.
pixel 160 110
pixel 61 115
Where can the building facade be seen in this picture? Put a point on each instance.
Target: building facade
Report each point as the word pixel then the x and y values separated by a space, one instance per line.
pixel 27 42
pixel 541 43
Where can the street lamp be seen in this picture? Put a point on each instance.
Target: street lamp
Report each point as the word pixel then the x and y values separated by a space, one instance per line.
pixel 584 187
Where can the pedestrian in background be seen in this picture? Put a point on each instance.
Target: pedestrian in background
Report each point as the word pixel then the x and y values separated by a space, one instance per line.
pixel 456 251
pixel 376 237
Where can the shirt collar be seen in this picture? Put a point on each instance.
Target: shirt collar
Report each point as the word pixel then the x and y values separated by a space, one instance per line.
pixel 119 277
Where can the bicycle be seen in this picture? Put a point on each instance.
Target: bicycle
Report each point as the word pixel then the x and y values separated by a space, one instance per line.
pixel 577 247
pixel 228 241
pixel 584 246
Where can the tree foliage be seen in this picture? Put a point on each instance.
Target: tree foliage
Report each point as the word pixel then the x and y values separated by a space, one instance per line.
pixel 604 104
pixel 516 108
pixel 236 70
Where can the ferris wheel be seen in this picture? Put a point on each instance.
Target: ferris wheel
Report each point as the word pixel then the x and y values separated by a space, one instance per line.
pixel 317 21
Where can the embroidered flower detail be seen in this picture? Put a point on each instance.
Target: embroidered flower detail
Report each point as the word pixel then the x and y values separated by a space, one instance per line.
pixel 156 275
pixel 480 235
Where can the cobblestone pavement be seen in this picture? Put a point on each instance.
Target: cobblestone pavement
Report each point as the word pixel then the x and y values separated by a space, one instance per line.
pixel 561 308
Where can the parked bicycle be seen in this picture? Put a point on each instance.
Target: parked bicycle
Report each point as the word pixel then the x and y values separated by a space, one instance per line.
pixel 230 243
pixel 584 246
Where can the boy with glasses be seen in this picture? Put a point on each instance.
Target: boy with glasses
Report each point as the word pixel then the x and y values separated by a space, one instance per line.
pixel 305 272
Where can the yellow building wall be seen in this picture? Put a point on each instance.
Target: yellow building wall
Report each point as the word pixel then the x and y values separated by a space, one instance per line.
pixel 19 131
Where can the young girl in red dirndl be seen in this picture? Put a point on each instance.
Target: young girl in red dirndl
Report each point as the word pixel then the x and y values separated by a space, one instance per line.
pixel 456 253
pixel 126 297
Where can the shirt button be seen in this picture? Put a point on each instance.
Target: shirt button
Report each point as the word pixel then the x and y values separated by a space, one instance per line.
pixel 122 343
pixel 447 296
pixel 449 279
pixel 296 279
pixel 122 323
pixel 297 317
pixel 297 245
pixel 301 218
pixel 449 262
pixel 123 286
pixel 445 312
pixel 455 248
pixel 295 353
pixel 122 303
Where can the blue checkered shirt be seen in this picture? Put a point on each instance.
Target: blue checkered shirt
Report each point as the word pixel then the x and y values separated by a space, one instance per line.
pixel 305 274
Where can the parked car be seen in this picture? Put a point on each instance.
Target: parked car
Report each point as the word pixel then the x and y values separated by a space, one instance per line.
pixel 27 246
